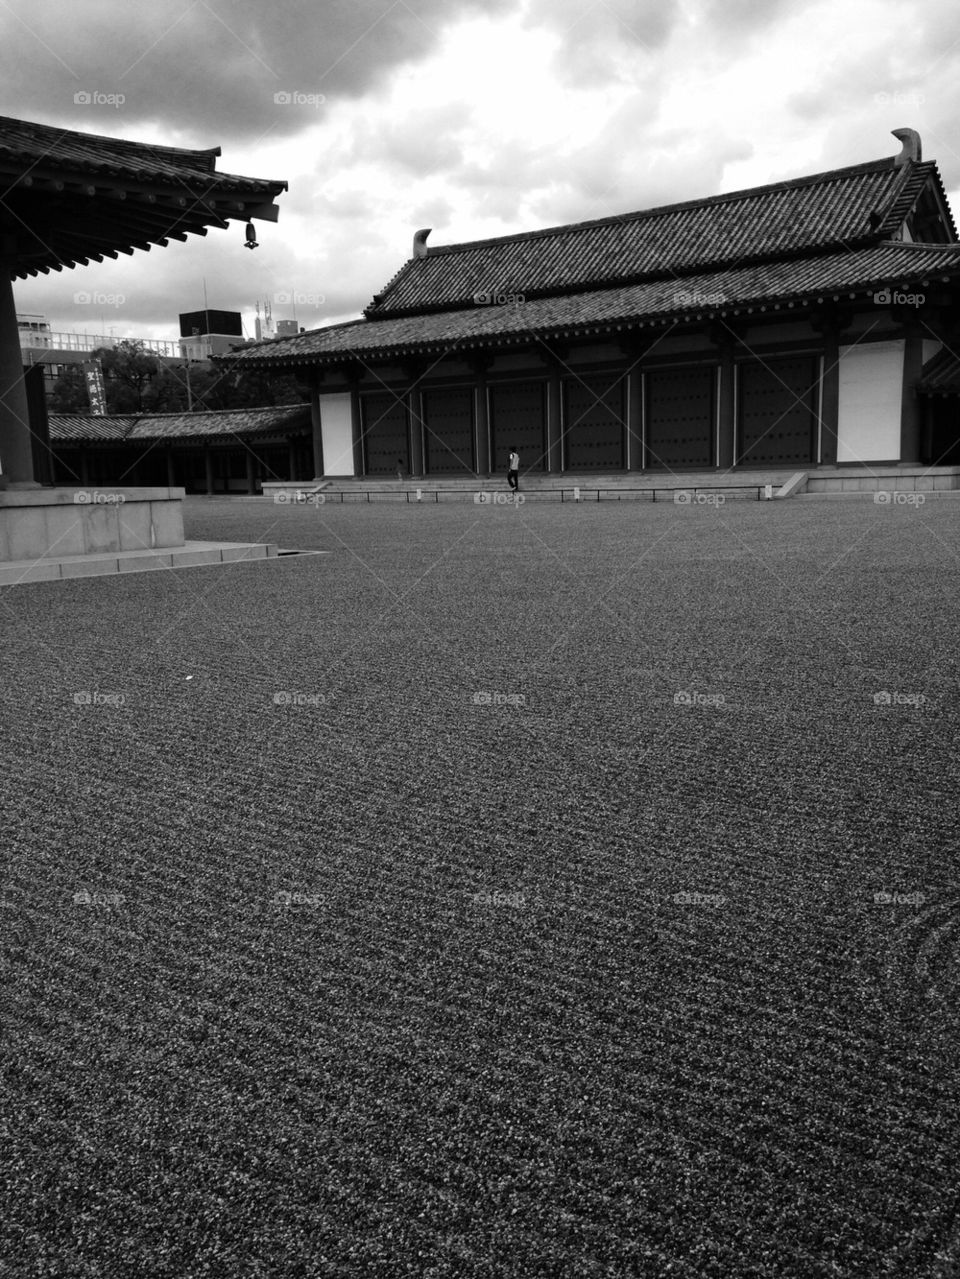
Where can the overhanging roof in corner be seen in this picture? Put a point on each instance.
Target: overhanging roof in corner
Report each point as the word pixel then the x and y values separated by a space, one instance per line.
pixel 70 198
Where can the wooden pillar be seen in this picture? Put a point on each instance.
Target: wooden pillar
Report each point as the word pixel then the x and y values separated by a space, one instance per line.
pixel 555 421
pixel 726 409
pixel 208 467
pixel 480 365
pixel 16 449
pixel 635 346
pixel 414 370
pixel 171 473
pixel 909 400
pixel 554 357
pixel 830 398
pixel 926 451
pixel 356 425
pixel 830 321
pixel 635 419
pixel 251 472
pixel 726 337
pixel 84 466
pixel 415 419
pixel 36 391
pixel 316 431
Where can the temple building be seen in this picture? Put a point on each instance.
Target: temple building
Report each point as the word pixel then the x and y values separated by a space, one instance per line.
pixel 71 198
pixel 222 452
pixel 806 323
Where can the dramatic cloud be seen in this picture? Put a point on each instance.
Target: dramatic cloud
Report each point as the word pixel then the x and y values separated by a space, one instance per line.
pixel 228 68
pixel 475 118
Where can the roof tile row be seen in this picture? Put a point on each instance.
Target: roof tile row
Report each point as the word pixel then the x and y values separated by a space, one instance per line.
pixel 161 426
pixel 893 265
pixel 844 208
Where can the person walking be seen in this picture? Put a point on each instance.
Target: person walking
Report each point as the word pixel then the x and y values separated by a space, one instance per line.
pixel 399 468
pixel 513 470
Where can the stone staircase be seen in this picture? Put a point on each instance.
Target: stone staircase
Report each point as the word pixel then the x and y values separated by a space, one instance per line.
pixel 740 484
pixel 587 487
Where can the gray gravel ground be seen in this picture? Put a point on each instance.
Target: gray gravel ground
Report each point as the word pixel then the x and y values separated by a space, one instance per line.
pixel 508 892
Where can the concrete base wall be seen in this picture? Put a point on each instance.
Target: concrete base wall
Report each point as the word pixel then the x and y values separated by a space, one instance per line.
pixel 52 523
pixel 886 479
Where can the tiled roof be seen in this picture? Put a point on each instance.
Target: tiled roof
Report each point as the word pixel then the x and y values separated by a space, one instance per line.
pixel 941 374
pixel 30 146
pixel 70 197
pixel 77 426
pixel 202 425
pixel 892 264
pixel 844 208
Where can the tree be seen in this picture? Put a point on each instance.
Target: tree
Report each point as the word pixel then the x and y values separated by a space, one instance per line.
pixel 137 382
pixel 69 393
pixel 128 371
pixel 228 386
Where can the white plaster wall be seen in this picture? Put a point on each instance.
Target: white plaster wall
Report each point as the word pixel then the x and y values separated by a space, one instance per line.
pixel 871 381
pixel 336 431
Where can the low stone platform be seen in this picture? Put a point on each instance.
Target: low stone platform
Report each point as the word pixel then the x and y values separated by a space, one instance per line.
pixel 894 478
pixel 187 555
pixel 747 483
pixel 52 523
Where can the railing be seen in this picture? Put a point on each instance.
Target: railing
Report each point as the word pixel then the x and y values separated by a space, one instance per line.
pixel 93 341
pixel 694 496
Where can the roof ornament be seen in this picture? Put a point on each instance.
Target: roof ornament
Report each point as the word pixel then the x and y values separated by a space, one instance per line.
pixel 420 243
pixel 911 147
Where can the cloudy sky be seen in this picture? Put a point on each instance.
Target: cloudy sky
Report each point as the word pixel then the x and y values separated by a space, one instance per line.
pixel 473 117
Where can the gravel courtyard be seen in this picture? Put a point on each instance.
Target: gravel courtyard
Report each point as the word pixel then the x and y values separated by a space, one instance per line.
pixel 553 891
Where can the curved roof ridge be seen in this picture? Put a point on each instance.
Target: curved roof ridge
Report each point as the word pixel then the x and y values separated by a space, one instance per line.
pixel 659 210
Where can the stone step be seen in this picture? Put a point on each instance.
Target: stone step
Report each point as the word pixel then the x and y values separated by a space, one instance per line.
pixel 189 555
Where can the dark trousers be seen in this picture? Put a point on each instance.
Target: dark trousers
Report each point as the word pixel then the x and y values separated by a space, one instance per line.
pixel 513 478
